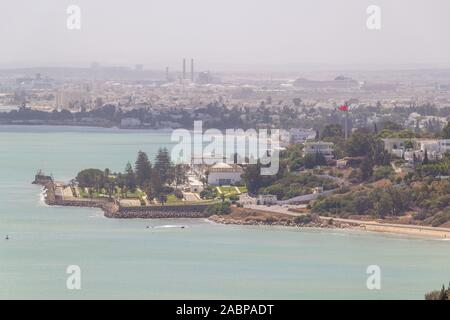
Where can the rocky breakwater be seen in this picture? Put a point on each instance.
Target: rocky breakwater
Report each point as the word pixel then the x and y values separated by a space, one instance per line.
pixel 162 212
pixel 109 206
pixel 240 216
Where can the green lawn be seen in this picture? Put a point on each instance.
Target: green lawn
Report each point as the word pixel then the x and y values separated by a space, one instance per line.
pixel 227 189
pixel 187 203
pixel 137 194
pixel 173 200
pixel 230 191
pixel 243 189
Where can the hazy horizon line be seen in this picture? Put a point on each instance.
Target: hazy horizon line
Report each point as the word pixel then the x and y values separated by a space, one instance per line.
pixel 234 67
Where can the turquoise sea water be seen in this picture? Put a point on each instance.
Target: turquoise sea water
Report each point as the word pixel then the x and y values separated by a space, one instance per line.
pixel 7 108
pixel 124 259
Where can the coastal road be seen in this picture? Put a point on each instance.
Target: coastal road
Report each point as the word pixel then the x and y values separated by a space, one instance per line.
pixel 278 209
pixel 367 225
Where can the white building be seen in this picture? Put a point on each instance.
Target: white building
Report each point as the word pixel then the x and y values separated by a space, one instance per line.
pixel 224 174
pixel 296 135
pixel 195 186
pixel 435 148
pixel 130 123
pixel 264 199
pixel 325 148
pixel 299 135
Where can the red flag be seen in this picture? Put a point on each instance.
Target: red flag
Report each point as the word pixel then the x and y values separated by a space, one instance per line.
pixel 344 107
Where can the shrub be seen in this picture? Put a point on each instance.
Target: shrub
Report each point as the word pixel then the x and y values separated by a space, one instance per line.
pixel 209 193
pixel 178 193
pixel 222 208
pixel 384 172
pixel 304 219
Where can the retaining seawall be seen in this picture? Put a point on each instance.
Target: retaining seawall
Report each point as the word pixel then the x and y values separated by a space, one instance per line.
pixel 112 209
pixel 161 212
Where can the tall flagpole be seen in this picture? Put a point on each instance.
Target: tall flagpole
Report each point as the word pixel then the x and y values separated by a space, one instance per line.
pixel 346 124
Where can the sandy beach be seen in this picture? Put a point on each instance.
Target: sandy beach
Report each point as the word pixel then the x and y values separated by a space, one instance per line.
pixel 428 232
pixel 283 217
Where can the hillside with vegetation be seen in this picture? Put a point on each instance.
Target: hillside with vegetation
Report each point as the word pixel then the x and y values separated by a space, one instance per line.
pixel 422 195
pixel 374 188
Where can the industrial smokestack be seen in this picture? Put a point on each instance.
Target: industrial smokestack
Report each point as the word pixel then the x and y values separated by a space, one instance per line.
pixel 167 74
pixel 184 69
pixel 192 70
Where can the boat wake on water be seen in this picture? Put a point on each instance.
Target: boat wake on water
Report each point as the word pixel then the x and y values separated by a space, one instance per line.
pixel 170 226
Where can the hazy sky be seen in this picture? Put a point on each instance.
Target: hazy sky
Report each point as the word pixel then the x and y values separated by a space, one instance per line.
pixel 225 33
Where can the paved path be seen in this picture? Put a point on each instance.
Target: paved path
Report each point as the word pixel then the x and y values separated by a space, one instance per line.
pixel 189 196
pixel 369 225
pixel 278 209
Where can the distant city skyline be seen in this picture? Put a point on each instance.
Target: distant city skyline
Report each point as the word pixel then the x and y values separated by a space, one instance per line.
pixel 228 35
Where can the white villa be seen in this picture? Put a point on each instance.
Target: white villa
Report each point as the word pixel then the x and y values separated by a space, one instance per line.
pixel 224 174
pixel 296 135
pixel 325 148
pixel 435 148
pixel 195 186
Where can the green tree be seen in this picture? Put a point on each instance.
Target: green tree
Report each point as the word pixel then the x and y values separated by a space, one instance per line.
pixel 425 158
pixel 384 205
pixel 252 177
pixel 149 191
pixel 446 131
pixel 366 168
pixel 361 143
pixel 332 131
pixel 129 178
pixel 443 294
pixel 392 126
pixel 320 159
pixel 90 178
pixel 156 184
pixel 143 169
pixel 164 167
pixel 180 174
pixel 222 208
pixel 310 161
pixel 409 144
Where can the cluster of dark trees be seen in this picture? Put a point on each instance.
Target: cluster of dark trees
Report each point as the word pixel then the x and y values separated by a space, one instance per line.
pixel 422 190
pixel 428 197
pixel 446 132
pixel 378 202
pixel 157 181
pixel 432 199
pixel 221 208
pixel 217 115
pixel 296 185
pixel 433 168
pixel 363 144
pixel 443 294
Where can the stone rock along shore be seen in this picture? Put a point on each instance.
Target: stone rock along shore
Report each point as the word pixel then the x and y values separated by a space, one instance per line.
pixel 112 209
pixel 316 223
